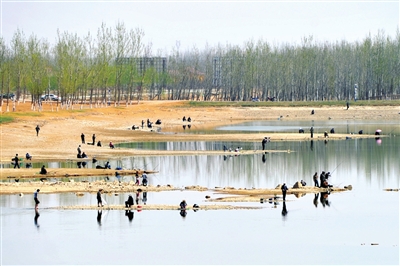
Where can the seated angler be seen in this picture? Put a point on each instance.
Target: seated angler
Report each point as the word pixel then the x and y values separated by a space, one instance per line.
pixel 28 156
pixel 43 171
pixel 129 202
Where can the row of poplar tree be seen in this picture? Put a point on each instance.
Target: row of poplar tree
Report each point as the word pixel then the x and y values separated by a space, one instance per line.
pixel 106 67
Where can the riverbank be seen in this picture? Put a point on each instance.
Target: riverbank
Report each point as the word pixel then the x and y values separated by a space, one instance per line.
pixel 60 131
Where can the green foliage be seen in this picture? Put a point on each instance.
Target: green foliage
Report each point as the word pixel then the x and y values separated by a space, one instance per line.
pixel 6 119
pixel 310 71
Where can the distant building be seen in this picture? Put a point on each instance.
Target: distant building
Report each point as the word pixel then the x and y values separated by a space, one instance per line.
pixel 145 63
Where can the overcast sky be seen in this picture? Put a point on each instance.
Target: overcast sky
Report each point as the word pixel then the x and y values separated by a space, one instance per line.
pixel 195 23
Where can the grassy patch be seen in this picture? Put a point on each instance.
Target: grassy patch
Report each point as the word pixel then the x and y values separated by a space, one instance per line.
pixel 31 114
pixel 6 119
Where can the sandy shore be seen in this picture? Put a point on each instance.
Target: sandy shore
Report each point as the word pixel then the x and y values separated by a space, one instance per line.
pixel 61 129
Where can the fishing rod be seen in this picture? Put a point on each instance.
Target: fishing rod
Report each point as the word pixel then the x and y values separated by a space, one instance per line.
pixel 337 166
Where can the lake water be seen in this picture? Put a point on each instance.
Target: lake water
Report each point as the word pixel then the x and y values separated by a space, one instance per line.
pixel 360 226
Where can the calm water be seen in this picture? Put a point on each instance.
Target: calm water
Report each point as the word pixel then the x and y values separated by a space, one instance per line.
pixel 339 231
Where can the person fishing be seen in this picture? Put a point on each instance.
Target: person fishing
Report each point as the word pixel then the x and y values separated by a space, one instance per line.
pixel 263 142
pixel 35 198
pixel 183 205
pixel 16 161
pixel 37 128
pixel 129 202
pixel 144 179
pixel 43 170
pixel 284 189
pixel 315 178
pixel 99 200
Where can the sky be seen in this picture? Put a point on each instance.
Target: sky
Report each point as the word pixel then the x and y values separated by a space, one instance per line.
pixel 189 24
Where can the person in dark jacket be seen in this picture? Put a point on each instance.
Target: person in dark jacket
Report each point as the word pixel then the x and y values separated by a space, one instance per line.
pixel 129 202
pixel 99 200
pixel 263 142
pixel 35 198
pixel 83 138
pixel 37 130
pixel 16 161
pixel 312 132
pixel 183 205
pixel 315 178
pixel 43 170
pixel 284 189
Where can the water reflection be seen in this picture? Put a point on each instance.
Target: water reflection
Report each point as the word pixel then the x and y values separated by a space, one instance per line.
pixel 324 199
pixel 183 213
pixel 264 158
pixel 36 218
pixel 144 199
pixel 129 214
pixel 338 126
pixel 284 211
pixel 315 200
pixel 99 214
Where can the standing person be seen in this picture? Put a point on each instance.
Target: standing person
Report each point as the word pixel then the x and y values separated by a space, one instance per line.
pixel 284 189
pixel 142 124
pixel 315 178
pixel 347 105
pixel 144 179
pixel 263 142
pixel 137 179
pixel 322 178
pixel 183 205
pixel 37 130
pixel 99 200
pixel 94 138
pixel 16 161
pixel 79 150
pixel 312 132
pixel 83 138
pixel 35 198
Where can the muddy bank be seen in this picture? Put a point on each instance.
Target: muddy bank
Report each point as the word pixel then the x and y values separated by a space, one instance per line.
pixel 60 131
pixel 116 187
pixel 154 207
pixel 7 173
